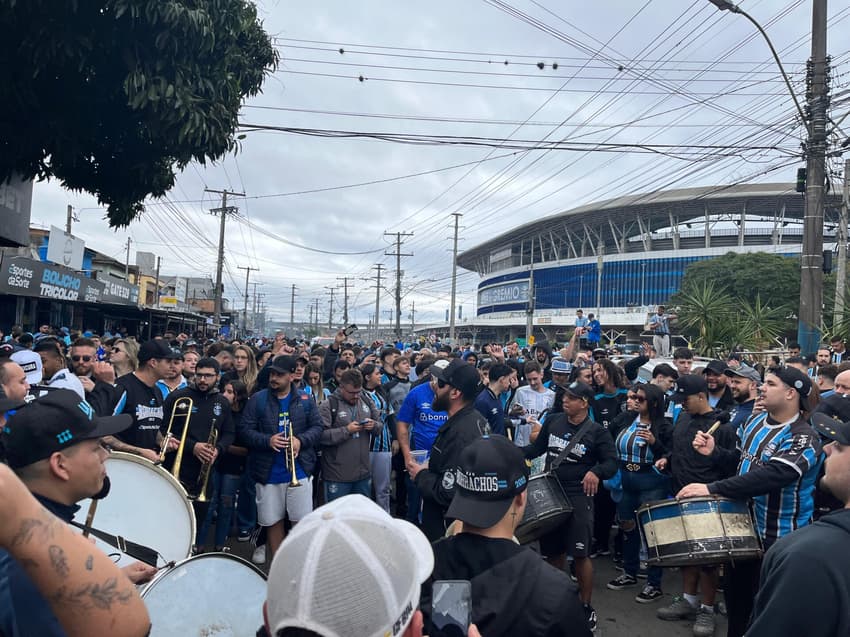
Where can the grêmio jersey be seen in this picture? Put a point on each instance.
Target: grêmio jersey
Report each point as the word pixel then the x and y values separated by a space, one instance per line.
pixel 144 404
pixel 424 422
pixel 795 444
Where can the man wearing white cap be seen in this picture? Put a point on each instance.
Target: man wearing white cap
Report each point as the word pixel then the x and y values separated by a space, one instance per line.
pixel 348 568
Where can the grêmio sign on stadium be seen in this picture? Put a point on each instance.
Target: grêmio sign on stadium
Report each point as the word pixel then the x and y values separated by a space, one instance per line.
pixel 504 293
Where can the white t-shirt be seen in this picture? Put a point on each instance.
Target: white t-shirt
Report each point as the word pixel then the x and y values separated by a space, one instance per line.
pixel 534 403
pixel 64 379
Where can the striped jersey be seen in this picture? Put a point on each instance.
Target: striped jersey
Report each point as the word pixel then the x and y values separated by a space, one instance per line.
pixel 383 440
pixel 795 444
pixel 632 449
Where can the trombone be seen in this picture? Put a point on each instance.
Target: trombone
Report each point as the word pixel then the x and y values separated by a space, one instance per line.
pixel 290 459
pixel 181 404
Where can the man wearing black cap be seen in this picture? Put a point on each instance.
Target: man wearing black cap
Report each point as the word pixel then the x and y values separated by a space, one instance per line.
pixel 805 585
pixel 54 446
pixel 273 419
pixel 513 591
pixel 582 454
pixel 780 460
pixel 141 399
pixel 719 395
pixel 457 387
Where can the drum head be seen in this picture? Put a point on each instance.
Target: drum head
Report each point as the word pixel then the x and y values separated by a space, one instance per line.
pixel 213 594
pixel 145 505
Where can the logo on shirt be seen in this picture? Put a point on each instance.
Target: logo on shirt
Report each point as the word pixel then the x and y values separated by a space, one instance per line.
pixel 448 481
pixel 144 413
pixel 217 409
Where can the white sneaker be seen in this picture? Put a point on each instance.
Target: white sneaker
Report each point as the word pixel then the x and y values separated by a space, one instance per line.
pixel 259 556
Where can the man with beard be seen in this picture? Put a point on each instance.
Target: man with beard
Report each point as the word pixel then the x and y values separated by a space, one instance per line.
pixel 210 413
pixel 54 446
pixel 457 387
pixel 96 377
pixel 838 404
pixel 173 379
pixel 719 395
pixel 744 384
pixel 543 355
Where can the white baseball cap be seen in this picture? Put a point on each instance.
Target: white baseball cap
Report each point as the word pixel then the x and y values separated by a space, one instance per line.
pixel 348 568
pixel 31 364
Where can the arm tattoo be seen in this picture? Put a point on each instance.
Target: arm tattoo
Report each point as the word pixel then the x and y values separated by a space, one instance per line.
pixel 90 596
pixel 58 560
pixel 31 528
pixel 89 562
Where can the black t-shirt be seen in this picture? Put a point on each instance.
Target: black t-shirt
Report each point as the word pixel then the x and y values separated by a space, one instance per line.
pixel 144 404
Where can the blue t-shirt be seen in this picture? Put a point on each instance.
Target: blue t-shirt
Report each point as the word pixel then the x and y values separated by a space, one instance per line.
pixel 280 474
pixel 595 332
pixel 424 422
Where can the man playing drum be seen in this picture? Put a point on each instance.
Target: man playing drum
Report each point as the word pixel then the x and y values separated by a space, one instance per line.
pixel 589 456
pixel 780 460
pixel 687 465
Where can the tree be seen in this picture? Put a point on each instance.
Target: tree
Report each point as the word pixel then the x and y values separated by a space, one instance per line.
pixel 705 313
pixel 113 97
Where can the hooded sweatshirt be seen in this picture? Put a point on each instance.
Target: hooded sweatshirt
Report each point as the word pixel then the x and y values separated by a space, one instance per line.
pixel 514 592
pixel 805 582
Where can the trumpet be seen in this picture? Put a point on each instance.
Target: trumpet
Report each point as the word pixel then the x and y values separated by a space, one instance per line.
pixel 290 461
pixel 204 475
pixel 182 404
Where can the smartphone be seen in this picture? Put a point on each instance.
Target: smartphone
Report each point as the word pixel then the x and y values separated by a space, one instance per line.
pixel 451 607
pixel 348 330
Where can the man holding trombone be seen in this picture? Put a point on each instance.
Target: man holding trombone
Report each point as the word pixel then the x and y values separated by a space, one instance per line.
pixel 281 428
pixel 197 427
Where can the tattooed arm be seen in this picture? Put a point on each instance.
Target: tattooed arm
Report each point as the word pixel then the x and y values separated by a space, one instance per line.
pixel 87 592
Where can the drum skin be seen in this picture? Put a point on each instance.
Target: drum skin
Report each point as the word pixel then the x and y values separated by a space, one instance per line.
pixel 145 505
pixel 209 595
pixel 698 531
pixel 547 507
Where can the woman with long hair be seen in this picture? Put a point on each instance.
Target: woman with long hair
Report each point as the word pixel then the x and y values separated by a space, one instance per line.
pixel 245 366
pixel 124 356
pixel 642 436
pixel 380 452
pixel 315 384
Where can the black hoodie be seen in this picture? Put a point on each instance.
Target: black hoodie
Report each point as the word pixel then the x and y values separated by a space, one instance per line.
pixel 514 592
pixel 805 582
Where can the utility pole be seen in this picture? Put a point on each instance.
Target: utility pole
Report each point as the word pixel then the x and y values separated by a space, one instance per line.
pixel 811 260
pixel 255 308
pixel 127 263
pixel 529 310
pixel 245 308
pixel 292 309
pixel 224 211
pixel 331 306
pixel 345 280
pixel 316 314
pixel 69 218
pixel 412 316
pixel 156 285
pixel 457 217
pixel 379 267
pixel 398 255
pixel 311 315
pixel 841 239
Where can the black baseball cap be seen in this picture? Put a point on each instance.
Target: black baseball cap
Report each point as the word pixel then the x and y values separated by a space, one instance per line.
pixel 580 390
pixel 716 367
pixel 796 379
pixel 690 385
pixel 831 428
pixel 157 349
pixel 53 422
pixel 490 472
pixel 460 375
pixel 283 364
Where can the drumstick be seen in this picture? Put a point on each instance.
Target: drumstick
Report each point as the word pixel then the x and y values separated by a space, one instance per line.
pixel 90 517
pixel 713 428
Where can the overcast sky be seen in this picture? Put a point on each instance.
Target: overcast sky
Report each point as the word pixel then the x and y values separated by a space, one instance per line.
pixel 666 74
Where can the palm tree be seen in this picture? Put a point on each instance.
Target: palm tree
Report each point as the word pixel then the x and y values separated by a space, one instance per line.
pixel 706 312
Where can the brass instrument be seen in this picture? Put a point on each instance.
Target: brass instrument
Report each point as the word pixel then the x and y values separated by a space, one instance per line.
pixel 290 461
pixel 180 404
pixel 204 475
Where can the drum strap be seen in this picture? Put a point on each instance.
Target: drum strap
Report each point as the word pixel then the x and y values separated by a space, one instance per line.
pixel 137 551
pixel 574 442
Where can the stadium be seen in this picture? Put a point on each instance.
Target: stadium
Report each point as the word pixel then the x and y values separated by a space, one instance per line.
pixel 620 258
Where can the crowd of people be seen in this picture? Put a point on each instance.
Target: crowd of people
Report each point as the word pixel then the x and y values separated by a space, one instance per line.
pixel 409 464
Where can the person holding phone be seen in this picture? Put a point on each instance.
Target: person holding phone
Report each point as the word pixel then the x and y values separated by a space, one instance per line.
pixel 511 590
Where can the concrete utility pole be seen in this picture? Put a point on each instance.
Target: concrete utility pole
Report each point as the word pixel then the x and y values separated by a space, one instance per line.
pixel 255 307
pixel 69 219
pixel 127 263
pixel 457 217
pixel 412 316
pixel 529 310
pixel 841 240
pixel 224 211
pixel 292 308
pixel 245 309
pixel 811 259
pixel 379 267
pixel 316 314
pixel 345 280
pixel 156 285
pixel 331 306
pixel 398 255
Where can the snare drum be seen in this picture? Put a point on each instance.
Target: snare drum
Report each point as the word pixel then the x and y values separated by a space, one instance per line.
pixel 145 505
pixel 547 507
pixel 695 531
pixel 210 594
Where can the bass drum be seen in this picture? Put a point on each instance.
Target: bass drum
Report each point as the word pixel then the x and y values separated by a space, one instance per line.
pixel 145 505
pixel 213 594
pixel 547 508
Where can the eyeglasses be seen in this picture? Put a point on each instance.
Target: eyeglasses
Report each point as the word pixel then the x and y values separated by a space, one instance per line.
pixel 197 375
pixel 637 398
pixel 85 359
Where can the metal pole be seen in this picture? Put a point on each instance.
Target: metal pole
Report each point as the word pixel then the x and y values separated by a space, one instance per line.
pixel 529 310
pixel 457 217
pixel 841 240
pixel 245 309
pixel 127 263
pixel 292 308
pixel 599 267
pixel 69 218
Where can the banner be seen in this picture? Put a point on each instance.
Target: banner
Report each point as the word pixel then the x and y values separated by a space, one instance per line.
pixel 15 205
pixel 65 249
pixel 512 292
pixel 27 277
pixel 118 291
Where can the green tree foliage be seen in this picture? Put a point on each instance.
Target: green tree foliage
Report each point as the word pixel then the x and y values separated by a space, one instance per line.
pixel 112 97
pixel 773 278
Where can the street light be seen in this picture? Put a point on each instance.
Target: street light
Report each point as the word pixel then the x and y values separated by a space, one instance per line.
pixel 811 257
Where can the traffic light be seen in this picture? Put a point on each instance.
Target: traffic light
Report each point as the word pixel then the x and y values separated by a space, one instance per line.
pixel 801 179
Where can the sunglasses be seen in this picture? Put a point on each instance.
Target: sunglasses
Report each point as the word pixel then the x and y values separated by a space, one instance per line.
pixel 637 398
pixel 85 359
pixel 117 350
pixel 441 383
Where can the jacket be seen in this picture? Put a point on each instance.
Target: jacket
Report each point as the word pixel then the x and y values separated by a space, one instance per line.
pixel 514 592
pixel 437 483
pixel 662 430
pixel 489 405
pixel 345 456
pixel 596 452
pixel 687 465
pixel 805 582
pixel 260 422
